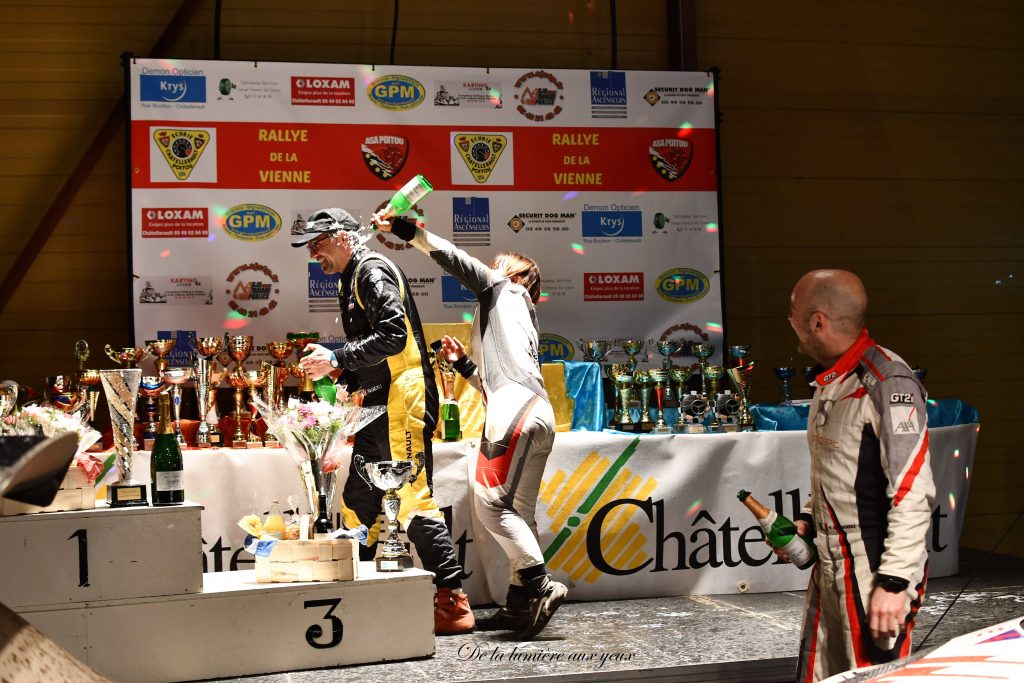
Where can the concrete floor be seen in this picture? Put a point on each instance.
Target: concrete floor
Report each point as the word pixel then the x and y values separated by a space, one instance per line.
pixel 750 637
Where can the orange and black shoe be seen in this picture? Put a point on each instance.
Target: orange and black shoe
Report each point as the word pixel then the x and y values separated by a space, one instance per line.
pixel 452 613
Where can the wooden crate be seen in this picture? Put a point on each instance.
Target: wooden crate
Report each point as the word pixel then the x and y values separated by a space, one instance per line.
pixel 76 493
pixel 293 561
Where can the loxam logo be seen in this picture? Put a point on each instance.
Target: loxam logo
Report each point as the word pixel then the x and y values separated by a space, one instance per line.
pixel 682 285
pixel 554 347
pixel 396 93
pixel 252 222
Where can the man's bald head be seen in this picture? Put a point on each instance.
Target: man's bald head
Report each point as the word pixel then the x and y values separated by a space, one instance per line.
pixel 839 294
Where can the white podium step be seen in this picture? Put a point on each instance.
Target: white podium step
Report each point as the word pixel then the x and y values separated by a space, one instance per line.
pixel 237 626
pixel 103 553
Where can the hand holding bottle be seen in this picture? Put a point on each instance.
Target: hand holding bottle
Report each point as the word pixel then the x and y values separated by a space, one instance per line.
pixel 802 529
pixel 452 348
pixel 316 361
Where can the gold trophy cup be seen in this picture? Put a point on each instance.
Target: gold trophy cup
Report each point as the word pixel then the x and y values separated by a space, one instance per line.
pixel 714 374
pixel 254 380
pixel 680 376
pixel 127 356
pixel 176 377
pixel 238 381
pixel 741 377
pixel 160 348
pixel 299 341
pixel 207 376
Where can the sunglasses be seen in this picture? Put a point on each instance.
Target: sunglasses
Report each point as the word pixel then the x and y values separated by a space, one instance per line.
pixel 314 246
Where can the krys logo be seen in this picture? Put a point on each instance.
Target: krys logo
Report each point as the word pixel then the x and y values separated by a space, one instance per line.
pixel 172 89
pixel 453 292
pixel 554 347
pixel 605 521
pixel 252 222
pixel 251 291
pixel 396 93
pixel 682 285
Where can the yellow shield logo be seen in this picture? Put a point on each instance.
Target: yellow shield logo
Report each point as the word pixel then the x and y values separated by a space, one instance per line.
pixel 481 152
pixel 181 149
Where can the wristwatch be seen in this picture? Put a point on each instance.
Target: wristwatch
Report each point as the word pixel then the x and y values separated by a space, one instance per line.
pixel 892 584
pixel 334 361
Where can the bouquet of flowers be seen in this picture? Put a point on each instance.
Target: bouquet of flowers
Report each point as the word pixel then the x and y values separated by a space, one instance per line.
pixel 47 420
pixel 315 434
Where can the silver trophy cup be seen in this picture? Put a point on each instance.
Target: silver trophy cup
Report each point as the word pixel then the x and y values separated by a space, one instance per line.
pixel 389 476
pixel 120 387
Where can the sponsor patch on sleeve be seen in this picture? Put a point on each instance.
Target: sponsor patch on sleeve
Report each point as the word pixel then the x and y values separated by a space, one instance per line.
pixel 904 419
pixel 897 397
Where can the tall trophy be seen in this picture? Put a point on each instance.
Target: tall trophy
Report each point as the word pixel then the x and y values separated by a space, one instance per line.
pixel 703 352
pixel 623 378
pixel 160 348
pixel 785 374
pixel 299 341
pixel 90 380
pixel 176 377
pixel 644 385
pixel 667 348
pixel 238 381
pixel 254 380
pixel 741 377
pixel 273 389
pixel 81 355
pixel 150 387
pixel 660 377
pixel 739 353
pixel 389 476
pixel 680 375
pixel 632 347
pixel 120 387
pixel 714 374
pixel 207 377
pixel 279 351
pixel 127 356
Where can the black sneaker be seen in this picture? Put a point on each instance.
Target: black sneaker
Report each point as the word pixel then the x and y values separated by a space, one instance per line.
pixel 514 616
pixel 545 597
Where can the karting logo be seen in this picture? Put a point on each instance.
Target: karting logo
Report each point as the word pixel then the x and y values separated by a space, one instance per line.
pixel 172 89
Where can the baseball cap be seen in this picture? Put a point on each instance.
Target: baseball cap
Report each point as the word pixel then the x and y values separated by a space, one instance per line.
pixel 325 221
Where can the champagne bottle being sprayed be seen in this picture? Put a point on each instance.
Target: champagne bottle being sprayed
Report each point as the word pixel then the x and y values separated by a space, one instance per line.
pixel 403 200
pixel 781 532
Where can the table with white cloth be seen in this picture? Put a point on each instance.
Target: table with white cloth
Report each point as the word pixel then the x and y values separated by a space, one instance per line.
pixel 618 515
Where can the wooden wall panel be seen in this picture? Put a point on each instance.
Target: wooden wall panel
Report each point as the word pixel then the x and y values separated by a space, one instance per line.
pixel 881 136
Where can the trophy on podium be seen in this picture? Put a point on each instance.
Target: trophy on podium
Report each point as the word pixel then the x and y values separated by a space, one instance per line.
pixel 150 387
pixel 389 476
pixel 660 376
pixel 127 357
pixel 89 380
pixel 176 377
pixel 160 348
pixel 632 347
pixel 667 348
pixel 299 341
pixel 714 373
pixel 279 351
pixel 622 376
pixel 680 375
pixel 741 377
pixel 739 353
pixel 254 380
pixel 238 381
pixel 785 374
pixel 120 387
pixel 703 352
pixel 644 384
pixel 207 377
pixel 273 389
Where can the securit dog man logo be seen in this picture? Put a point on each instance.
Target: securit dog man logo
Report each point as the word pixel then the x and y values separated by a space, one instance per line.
pixel 578 499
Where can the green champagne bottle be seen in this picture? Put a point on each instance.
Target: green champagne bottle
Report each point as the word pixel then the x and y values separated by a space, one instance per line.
pixel 403 200
pixel 167 486
pixel 451 428
pixel 781 532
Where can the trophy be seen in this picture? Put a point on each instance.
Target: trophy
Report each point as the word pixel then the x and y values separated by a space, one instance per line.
pixel 594 350
pixel 279 350
pixel 254 380
pixel 176 377
pixel 622 376
pixel 238 381
pixel 644 384
pixel 389 476
pixel 680 375
pixel 8 401
pixel 632 347
pixel 785 374
pixel 451 428
pixel 120 387
pixel 300 340
pixel 160 348
pixel 128 356
pixel 703 352
pixel 667 348
pixel 739 353
pixel 81 355
pixel 150 387
pixel 741 377
pixel 659 376
pixel 274 387
pixel 714 373
pixel 207 377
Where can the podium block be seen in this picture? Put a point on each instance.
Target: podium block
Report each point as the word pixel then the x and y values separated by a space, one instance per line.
pixel 100 554
pixel 291 561
pixel 238 626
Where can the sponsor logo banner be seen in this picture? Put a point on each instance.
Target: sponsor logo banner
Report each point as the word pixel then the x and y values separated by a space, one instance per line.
pixel 252 222
pixel 181 149
pixel 539 96
pixel 675 96
pixel 189 290
pixel 554 347
pixel 479 152
pixel 172 88
pixel 452 291
pixel 252 290
pixel 229 90
pixel 904 421
pixel 396 93
pixel 322 289
pixel 612 223
pixel 385 155
pixel 471 221
pixel 608 95
pixel 478 94
pixel 670 157
pixel 549 221
pixel 682 285
pixel 176 222
pixel 613 286
pixel 323 91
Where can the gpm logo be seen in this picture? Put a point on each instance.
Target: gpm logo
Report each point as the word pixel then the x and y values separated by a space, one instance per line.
pixel 682 285
pixel 396 93
pixel 554 348
pixel 252 222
